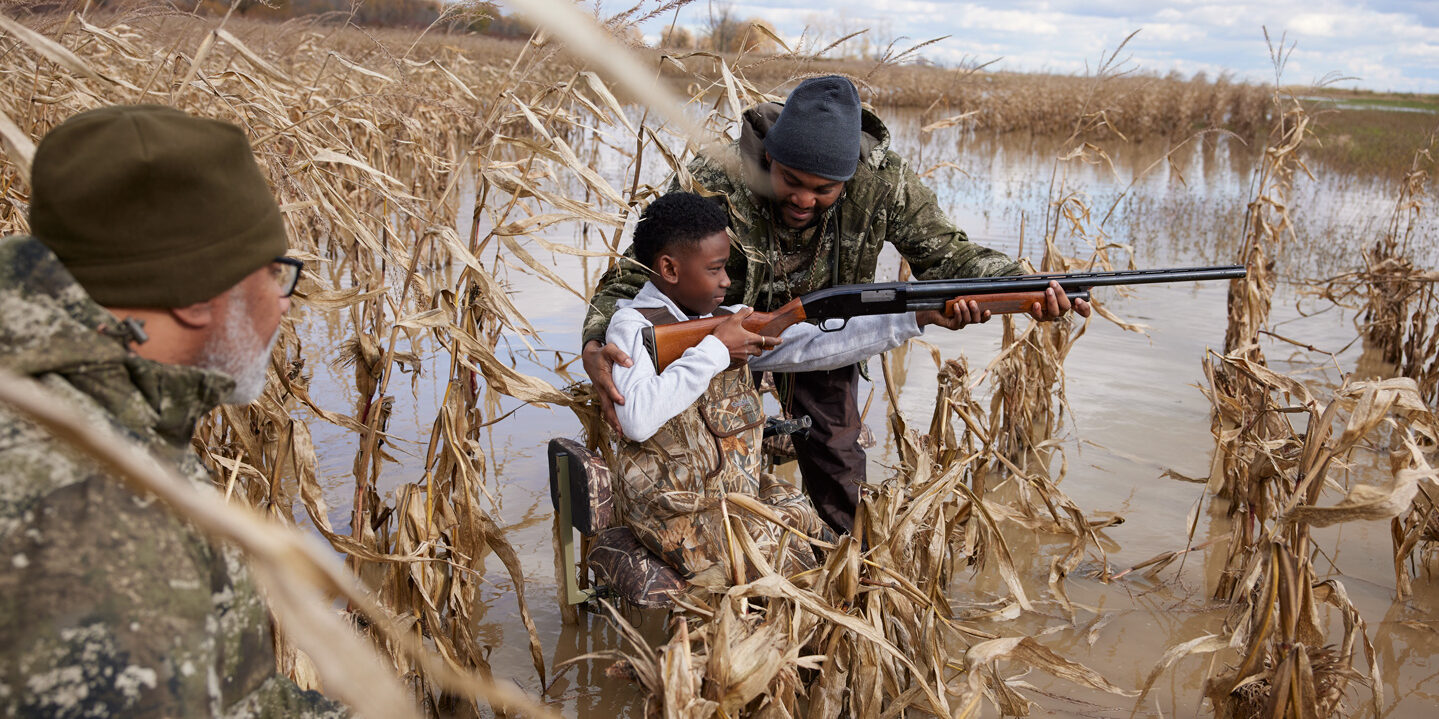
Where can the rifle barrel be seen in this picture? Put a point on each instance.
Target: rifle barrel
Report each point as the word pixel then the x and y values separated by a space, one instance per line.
pixel 1085 280
pixel 889 297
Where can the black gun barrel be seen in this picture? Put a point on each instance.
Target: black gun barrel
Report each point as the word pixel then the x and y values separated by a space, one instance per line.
pixel 893 297
pixel 1076 280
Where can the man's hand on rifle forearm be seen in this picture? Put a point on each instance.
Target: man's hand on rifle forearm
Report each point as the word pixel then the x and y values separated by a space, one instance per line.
pixel 965 313
pixel 741 343
pixel 1056 304
pixel 599 361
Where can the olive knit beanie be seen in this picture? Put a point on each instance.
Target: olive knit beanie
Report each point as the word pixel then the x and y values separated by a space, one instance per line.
pixel 818 129
pixel 149 207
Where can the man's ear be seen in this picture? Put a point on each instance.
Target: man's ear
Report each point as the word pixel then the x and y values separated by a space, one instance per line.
pixel 668 268
pixel 198 315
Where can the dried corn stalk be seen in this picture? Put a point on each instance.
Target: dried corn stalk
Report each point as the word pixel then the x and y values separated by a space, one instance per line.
pixel 1394 301
pixel 369 149
pixel 1287 665
pixel 1244 425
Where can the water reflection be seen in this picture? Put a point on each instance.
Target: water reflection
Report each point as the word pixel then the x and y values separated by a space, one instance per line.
pixel 1135 411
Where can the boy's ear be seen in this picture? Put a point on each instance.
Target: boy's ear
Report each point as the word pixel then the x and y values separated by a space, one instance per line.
pixel 667 268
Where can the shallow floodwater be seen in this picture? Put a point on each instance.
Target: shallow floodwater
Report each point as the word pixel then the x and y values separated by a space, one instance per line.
pixel 1136 414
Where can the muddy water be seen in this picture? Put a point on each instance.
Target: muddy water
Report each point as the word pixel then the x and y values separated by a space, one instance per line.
pixel 1136 414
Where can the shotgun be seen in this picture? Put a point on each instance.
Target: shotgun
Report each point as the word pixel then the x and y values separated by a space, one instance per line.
pixel 999 295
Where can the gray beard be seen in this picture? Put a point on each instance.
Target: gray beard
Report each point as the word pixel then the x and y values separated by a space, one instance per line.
pixel 239 353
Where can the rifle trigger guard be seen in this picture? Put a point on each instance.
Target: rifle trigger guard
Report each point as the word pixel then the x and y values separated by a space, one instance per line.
pixel 825 326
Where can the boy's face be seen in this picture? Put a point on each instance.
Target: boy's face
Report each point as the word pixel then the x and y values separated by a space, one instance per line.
pixel 694 277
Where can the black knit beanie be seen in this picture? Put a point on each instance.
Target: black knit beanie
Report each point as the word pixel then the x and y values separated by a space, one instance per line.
pixel 149 207
pixel 818 129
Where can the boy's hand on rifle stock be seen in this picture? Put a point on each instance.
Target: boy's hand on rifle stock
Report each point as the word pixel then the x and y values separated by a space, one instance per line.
pixel 965 313
pixel 1056 304
pixel 742 343
pixel 599 361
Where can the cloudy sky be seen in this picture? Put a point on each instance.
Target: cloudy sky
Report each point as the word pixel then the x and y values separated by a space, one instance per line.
pixel 1380 45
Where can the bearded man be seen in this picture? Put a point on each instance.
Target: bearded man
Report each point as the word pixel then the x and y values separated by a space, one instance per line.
pixel 150 292
pixel 814 192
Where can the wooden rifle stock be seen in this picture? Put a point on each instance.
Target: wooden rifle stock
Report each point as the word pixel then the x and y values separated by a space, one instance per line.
pixel 667 342
pixel 1008 303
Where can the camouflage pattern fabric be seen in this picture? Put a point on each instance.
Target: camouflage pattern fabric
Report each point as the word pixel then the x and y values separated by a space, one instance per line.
pixel 769 263
pixel 617 559
pixel 109 604
pixel 632 571
pixel 670 489
pixel 590 481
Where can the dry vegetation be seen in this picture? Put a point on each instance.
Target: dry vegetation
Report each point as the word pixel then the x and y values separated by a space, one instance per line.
pixel 366 142
pixel 371 139
pixel 1135 106
pixel 1272 470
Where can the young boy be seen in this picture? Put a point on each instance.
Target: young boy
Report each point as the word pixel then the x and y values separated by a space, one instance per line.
pixel 692 432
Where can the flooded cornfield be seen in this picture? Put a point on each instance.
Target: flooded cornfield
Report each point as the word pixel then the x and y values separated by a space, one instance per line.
pixel 1067 496
pixel 1136 440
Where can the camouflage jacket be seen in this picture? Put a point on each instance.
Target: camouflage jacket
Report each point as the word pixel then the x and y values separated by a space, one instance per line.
pixel 109 604
pixel 770 263
pixel 670 487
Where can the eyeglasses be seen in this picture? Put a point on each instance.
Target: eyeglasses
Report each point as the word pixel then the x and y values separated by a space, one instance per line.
pixel 287 274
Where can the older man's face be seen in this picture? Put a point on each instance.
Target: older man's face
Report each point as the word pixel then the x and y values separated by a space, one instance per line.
pixel 240 343
pixel 802 197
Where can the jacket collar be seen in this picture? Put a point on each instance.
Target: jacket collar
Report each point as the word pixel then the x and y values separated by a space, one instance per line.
pixel 650 297
pixel 50 327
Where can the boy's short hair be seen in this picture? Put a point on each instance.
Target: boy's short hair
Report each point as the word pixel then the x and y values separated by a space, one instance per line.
pixel 679 219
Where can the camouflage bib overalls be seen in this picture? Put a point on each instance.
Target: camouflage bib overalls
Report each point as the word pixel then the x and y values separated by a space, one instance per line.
pixel 671 487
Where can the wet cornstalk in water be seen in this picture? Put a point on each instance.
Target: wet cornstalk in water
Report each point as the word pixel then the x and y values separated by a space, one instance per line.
pixel 1278 449
pixel 1242 421
pixel 1396 306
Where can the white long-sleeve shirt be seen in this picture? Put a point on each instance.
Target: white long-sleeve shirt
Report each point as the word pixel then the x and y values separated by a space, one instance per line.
pixel 652 399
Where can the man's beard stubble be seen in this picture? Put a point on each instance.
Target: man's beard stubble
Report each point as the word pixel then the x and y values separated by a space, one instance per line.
pixel 239 352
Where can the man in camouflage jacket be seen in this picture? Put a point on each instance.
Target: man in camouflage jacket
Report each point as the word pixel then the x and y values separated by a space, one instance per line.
pixel 109 604
pixel 801 223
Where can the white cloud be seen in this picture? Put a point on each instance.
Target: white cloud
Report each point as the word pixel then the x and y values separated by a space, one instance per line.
pixel 1312 24
pixel 1013 21
pixel 1391 44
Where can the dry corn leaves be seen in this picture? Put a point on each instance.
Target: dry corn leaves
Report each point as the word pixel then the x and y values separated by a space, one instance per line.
pixel 368 152
pixel 870 632
pixel 351 156
pixel 1246 429
pixel 1274 471
pixel 1388 411
pixel 1287 667
pixel 1395 303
